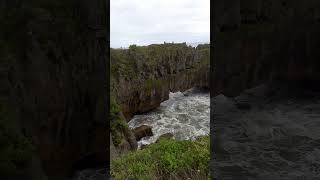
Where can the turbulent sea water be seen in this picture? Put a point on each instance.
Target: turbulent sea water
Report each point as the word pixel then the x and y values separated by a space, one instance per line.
pixel 278 138
pixel 186 115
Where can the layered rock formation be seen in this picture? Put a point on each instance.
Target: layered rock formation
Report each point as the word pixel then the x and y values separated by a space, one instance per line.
pixel 123 138
pixel 264 42
pixel 143 76
pixel 56 54
pixel 261 41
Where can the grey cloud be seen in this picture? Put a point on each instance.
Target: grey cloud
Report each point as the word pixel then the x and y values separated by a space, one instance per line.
pixel 155 21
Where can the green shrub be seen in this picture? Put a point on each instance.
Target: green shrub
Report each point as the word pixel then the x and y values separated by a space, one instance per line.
pixel 125 62
pixel 166 159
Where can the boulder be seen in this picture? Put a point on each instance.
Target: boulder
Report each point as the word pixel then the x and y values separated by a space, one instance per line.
pixel 142 131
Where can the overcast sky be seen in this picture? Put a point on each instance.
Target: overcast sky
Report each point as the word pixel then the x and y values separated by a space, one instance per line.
pixel 144 22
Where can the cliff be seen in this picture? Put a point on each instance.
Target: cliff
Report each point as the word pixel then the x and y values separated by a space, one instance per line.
pixel 54 56
pixel 143 76
pixel 264 41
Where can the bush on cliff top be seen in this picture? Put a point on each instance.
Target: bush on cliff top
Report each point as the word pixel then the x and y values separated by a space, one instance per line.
pixel 167 159
pixel 126 62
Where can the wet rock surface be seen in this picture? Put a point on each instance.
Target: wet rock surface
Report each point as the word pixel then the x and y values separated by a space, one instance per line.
pixel 277 138
pixel 142 131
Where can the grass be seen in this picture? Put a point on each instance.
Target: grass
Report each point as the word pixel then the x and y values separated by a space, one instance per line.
pixel 167 159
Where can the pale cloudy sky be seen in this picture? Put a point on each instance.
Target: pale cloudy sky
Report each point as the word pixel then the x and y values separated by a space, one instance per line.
pixel 145 22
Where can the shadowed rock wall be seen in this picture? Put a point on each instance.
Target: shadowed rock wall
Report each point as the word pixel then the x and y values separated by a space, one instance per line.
pixel 262 41
pixel 57 60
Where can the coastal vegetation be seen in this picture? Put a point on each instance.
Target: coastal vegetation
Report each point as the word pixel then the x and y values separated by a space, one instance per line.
pixel 166 159
pixel 141 78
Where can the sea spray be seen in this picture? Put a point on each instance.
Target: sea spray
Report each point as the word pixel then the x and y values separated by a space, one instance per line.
pixel 185 115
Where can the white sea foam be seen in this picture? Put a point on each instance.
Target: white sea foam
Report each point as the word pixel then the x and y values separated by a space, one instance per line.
pixel 185 115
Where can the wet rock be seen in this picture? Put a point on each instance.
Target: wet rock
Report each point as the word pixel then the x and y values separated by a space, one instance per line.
pixel 142 131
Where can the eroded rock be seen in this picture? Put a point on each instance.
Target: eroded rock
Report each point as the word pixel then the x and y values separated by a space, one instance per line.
pixel 142 131
pixel 146 75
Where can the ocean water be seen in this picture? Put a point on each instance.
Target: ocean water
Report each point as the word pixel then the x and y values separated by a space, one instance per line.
pixel 278 138
pixel 186 115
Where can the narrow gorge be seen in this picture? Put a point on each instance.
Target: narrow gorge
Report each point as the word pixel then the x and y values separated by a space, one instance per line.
pixel 142 77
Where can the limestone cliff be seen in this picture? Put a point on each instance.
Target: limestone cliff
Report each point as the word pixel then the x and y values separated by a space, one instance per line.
pixel 143 76
pixel 55 54
pixel 258 41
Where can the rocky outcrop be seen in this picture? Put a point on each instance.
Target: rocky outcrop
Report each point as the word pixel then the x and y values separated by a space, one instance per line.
pixel 123 139
pixel 264 41
pixel 142 131
pixel 56 54
pixel 142 77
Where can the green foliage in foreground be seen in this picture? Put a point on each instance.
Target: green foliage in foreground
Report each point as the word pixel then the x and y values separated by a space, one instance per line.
pixel 167 159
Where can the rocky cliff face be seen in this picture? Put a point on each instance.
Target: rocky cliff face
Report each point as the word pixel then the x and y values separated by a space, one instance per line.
pixel 142 77
pixel 56 58
pixel 264 41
